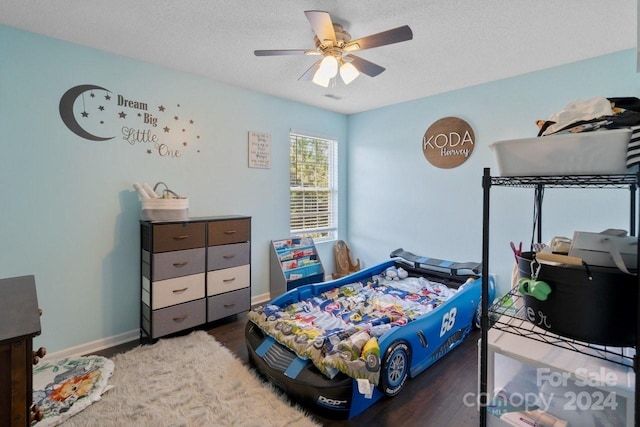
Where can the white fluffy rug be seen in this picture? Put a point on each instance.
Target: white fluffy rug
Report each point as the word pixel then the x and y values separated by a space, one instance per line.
pixel 188 381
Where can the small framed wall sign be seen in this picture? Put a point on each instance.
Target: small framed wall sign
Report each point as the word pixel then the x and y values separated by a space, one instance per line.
pixel 259 150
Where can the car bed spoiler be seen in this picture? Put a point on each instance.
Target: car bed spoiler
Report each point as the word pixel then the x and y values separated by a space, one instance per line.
pixel 430 264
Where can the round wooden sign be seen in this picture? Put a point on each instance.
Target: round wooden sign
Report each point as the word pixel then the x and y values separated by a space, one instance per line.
pixel 448 142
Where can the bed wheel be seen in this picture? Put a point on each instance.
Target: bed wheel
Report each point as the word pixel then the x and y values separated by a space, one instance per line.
pixel 478 316
pixel 395 368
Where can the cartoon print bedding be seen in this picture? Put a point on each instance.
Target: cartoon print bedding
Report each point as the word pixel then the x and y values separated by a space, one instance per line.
pixel 338 330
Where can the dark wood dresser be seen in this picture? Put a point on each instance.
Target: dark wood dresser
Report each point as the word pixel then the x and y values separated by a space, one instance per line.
pixel 19 323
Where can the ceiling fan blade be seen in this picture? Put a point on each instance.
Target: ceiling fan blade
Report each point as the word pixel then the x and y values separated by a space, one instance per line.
pixel 321 23
pixel 364 66
pixel 286 52
pixel 308 75
pixel 394 35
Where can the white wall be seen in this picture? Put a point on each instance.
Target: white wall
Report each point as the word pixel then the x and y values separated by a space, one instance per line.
pixel 398 199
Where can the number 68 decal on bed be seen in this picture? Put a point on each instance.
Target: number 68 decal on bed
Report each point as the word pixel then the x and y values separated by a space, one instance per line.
pixel 448 320
pixel 337 347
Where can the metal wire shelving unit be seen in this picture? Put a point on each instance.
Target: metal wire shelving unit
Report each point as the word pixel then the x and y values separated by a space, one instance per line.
pixel 506 314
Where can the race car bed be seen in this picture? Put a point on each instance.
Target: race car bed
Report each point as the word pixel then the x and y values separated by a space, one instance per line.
pixel 339 346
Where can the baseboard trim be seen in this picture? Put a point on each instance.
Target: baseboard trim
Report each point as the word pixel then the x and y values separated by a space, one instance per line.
pixel 125 337
pixel 260 299
pixel 97 345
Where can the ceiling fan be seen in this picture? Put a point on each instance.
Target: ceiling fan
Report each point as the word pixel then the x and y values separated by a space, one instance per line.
pixel 335 46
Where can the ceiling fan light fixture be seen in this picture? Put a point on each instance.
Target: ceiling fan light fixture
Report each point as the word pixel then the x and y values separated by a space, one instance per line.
pixel 348 72
pixel 328 68
pixel 320 81
pixel 332 41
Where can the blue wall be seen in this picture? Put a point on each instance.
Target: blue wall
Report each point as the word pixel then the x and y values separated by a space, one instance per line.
pixel 69 215
pixel 398 199
pixel 68 210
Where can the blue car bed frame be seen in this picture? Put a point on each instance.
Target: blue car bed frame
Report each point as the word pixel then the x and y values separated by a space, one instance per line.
pixel 405 345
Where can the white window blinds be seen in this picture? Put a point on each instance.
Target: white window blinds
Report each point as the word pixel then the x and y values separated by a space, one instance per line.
pixel 313 187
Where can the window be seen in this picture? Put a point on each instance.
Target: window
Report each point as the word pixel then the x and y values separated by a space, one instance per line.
pixel 313 182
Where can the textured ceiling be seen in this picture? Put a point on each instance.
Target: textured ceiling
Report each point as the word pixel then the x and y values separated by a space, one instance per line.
pixel 456 43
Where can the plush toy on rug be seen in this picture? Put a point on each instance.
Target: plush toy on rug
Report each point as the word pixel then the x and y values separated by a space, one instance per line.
pixel 64 387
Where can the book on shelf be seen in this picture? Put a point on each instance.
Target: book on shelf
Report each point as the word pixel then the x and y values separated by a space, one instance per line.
pixel 289 265
pixel 282 244
pixel 300 262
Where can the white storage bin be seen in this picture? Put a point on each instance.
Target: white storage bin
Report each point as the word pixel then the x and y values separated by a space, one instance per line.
pixel 525 375
pixel 586 153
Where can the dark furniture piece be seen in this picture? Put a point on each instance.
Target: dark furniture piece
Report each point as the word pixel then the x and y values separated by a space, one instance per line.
pixel 19 323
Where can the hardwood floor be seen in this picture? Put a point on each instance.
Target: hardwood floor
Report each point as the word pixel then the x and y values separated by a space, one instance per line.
pixel 434 398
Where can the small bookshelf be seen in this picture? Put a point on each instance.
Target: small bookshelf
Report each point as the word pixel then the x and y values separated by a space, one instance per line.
pixel 294 262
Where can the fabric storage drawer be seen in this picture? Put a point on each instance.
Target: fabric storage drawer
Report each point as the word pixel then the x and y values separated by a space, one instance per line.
pixel 173 291
pixel 229 231
pixel 228 304
pixel 229 279
pixel 585 153
pixel 175 237
pixel 173 264
pixel 225 256
pixel 174 259
pixel 176 318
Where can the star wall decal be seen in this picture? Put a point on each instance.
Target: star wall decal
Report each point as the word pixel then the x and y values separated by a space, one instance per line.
pixel 128 118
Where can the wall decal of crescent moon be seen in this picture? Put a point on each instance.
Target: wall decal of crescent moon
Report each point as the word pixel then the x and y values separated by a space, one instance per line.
pixel 69 119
